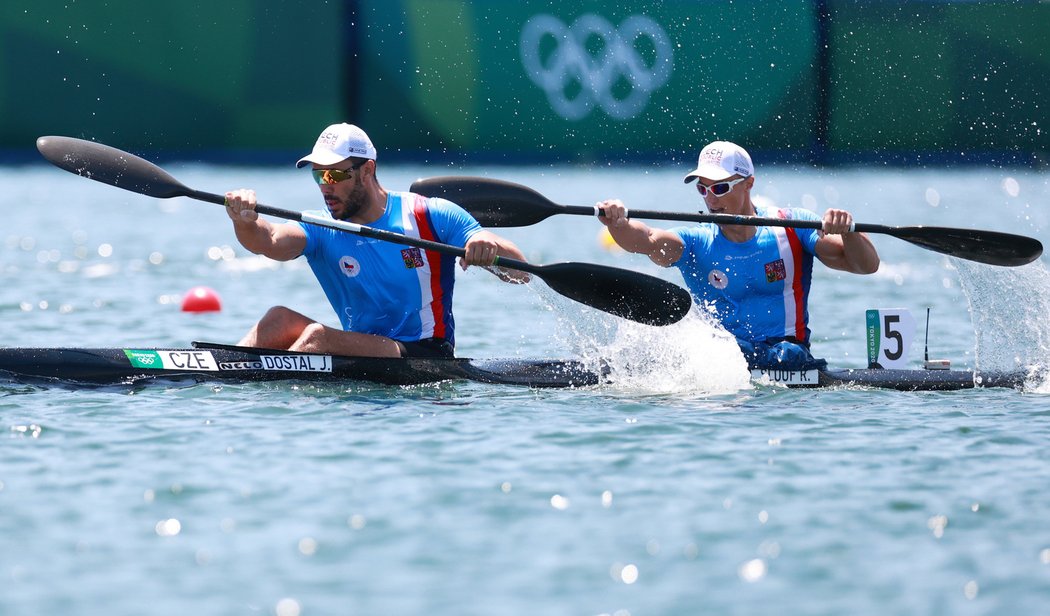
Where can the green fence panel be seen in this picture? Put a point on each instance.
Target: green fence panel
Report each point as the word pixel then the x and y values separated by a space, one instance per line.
pixel 952 77
pixel 575 80
pixel 182 75
pixel 581 79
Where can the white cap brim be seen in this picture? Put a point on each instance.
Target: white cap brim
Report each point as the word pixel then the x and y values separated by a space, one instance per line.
pixel 711 172
pixel 320 157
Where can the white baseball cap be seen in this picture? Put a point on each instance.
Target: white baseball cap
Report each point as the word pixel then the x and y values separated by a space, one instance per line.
pixel 721 159
pixel 339 142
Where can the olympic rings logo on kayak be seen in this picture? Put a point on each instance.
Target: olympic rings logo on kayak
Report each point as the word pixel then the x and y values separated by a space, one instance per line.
pixel 618 60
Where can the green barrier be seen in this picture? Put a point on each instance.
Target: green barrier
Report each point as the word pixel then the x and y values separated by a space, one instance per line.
pixel 940 77
pixel 185 75
pixel 575 80
pixel 584 78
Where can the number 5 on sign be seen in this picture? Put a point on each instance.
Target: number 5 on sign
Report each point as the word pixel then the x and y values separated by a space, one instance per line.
pixel 890 333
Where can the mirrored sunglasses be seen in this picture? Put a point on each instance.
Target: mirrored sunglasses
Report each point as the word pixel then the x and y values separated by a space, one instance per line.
pixel 333 176
pixel 718 189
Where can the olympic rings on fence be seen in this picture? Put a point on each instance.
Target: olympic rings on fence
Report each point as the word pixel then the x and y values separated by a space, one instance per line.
pixel 595 76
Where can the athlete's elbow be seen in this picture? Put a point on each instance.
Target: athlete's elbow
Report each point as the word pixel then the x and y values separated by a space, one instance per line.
pixel 868 267
pixel 661 258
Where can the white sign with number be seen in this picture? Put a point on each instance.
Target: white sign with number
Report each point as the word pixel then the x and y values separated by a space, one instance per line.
pixel 889 335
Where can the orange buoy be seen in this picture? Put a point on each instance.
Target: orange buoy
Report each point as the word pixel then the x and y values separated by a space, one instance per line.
pixel 201 299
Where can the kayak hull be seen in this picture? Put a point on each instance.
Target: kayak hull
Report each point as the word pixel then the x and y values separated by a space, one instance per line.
pixel 921 380
pixel 205 362
pixel 226 363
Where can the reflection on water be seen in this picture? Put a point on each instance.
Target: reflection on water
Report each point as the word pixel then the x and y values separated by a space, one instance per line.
pixel 680 486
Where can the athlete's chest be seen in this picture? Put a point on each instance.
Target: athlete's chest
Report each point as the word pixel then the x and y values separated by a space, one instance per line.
pixel 368 261
pixel 757 266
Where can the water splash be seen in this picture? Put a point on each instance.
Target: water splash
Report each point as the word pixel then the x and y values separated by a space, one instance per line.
pixel 1010 309
pixel 694 355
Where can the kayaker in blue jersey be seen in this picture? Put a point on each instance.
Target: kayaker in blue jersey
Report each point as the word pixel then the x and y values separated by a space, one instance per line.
pixel 392 300
pixel 755 280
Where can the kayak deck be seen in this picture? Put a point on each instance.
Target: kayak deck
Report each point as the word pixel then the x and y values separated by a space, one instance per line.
pixel 207 361
pixel 921 380
pixel 218 362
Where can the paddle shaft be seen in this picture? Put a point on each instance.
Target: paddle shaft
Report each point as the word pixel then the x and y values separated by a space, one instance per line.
pixel 379 234
pixel 991 247
pixel 506 204
pixel 758 221
pixel 753 221
pixel 719 219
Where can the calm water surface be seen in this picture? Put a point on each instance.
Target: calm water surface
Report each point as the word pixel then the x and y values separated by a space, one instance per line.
pixel 682 491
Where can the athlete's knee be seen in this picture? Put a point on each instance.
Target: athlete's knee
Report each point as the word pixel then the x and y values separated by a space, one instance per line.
pixel 279 315
pixel 310 338
pixel 277 311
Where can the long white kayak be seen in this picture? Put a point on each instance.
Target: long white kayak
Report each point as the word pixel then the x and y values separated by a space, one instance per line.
pixel 217 362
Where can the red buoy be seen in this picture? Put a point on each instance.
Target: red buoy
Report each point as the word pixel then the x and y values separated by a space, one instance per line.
pixel 201 299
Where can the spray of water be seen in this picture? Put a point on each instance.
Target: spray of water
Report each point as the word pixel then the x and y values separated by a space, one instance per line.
pixel 1010 309
pixel 692 356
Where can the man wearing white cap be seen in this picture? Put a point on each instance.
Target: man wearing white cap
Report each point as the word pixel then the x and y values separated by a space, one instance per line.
pixel 755 280
pixel 392 300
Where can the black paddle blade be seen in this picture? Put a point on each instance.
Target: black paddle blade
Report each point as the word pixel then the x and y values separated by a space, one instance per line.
pixel 494 203
pixel 109 165
pixel 631 295
pixel 991 247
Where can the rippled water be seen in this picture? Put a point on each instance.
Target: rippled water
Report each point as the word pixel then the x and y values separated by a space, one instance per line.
pixel 682 491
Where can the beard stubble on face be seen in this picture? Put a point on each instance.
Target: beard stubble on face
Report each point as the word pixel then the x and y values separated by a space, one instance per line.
pixel 350 205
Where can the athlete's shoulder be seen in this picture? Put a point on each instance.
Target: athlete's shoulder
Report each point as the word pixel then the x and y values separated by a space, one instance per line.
pixel 696 240
pixel 704 230
pixel 790 213
pixel 450 211
pixel 429 203
pixel 442 204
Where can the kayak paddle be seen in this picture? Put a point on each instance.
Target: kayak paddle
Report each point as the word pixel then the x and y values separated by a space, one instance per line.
pixel 496 203
pixel 631 295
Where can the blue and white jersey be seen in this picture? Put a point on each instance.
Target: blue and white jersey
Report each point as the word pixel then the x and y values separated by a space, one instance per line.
pixel 758 289
pixel 393 290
